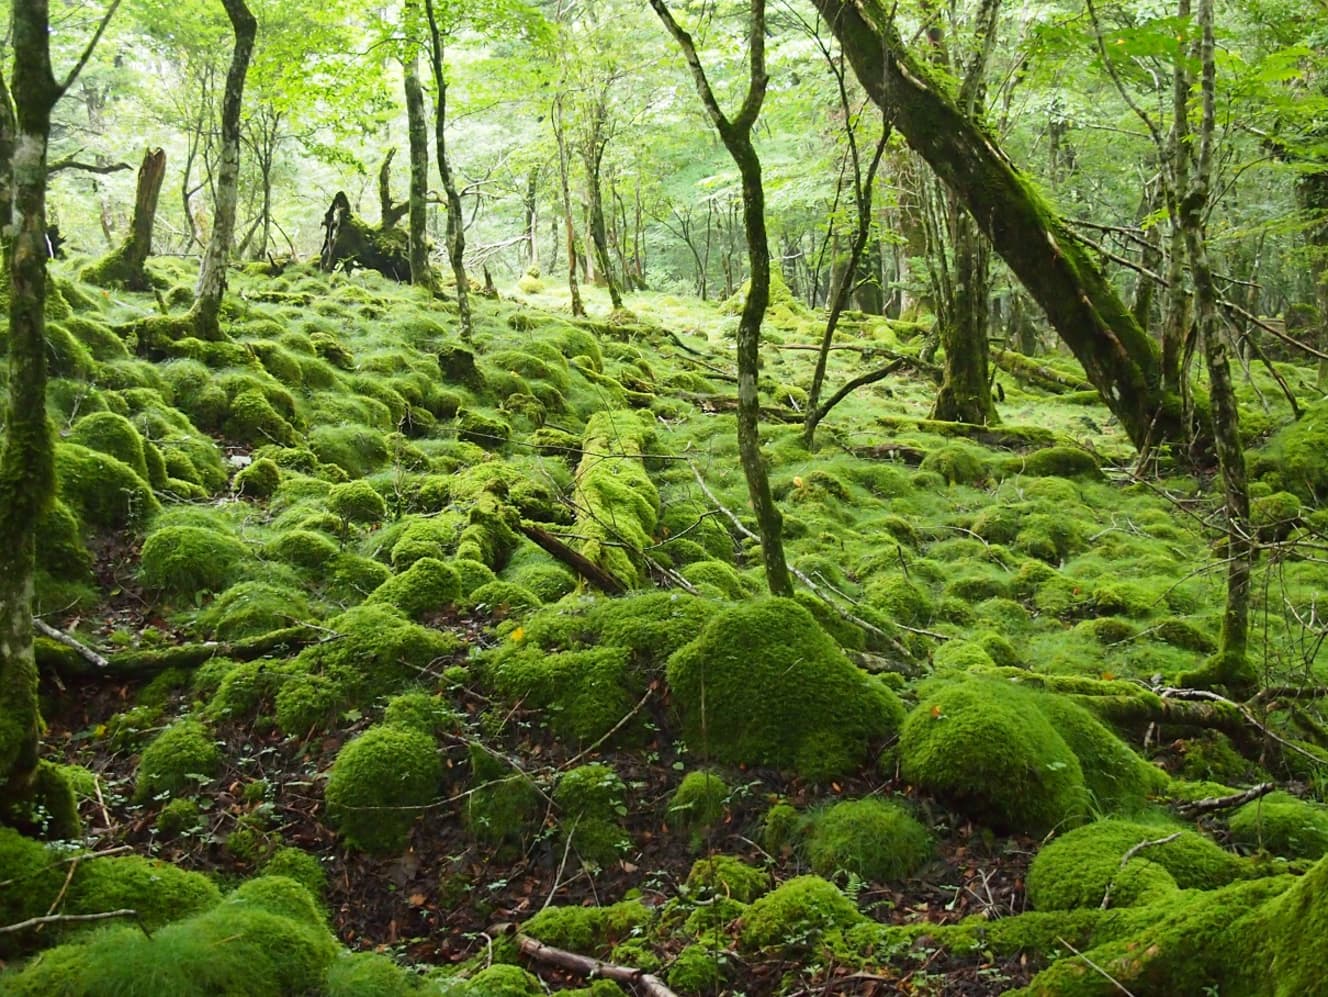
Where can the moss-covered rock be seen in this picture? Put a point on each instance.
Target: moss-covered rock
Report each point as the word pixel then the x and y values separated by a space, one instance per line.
pixel 958 464
pixel 1283 825
pixel 617 503
pixel 1077 868
pixel 250 609
pixel 176 760
pixel 159 891
pixel 592 931
pixel 183 561
pixel 876 839
pixel 378 785
pixel 503 806
pixel 986 749
pixel 104 491
pixel 302 548
pixel 260 480
pixel 427 586
pixel 763 684
pixel 299 865
pixel 112 434
pixel 727 876
pixel 583 694
pixel 590 799
pixel 797 913
pixel 698 803
pixel 368 974
pixel 356 502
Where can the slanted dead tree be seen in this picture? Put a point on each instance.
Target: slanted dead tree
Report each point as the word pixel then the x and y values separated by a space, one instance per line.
pixel 126 266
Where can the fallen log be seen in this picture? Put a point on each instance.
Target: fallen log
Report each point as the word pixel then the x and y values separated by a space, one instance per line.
pixel 144 663
pixel 582 965
pixel 1023 368
pixel 603 580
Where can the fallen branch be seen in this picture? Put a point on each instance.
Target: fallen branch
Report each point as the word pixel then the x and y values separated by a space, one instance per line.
pixel 36 922
pixel 83 651
pixel 1021 368
pixel 1207 805
pixel 603 580
pixel 729 403
pixel 140 662
pixel 1125 860
pixel 583 965
pixel 890 450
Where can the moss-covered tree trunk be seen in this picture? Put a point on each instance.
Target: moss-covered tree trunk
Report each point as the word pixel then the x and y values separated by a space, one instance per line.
pixel 1091 318
pixel 736 135
pixel 592 156
pixel 456 228
pixel 1231 666
pixel 965 394
pixel 421 273
pixel 569 224
pixel 206 313
pixel 27 465
pixel 126 265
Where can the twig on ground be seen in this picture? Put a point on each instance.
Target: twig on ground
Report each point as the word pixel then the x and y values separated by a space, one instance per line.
pixel 1125 860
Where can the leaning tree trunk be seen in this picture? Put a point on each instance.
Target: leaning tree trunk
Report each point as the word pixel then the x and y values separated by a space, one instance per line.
pixel 736 134
pixel 421 273
pixel 456 229
pixel 206 312
pixel 574 289
pixel 27 465
pixel 1116 353
pixel 126 265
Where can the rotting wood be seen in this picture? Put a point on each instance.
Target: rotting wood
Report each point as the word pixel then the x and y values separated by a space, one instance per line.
pixel 578 562
pixel 143 663
pixel 1023 368
pixel 582 965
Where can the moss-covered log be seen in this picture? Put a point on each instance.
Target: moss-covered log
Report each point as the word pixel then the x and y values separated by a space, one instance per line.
pixel 53 656
pixel 617 505
pixel 349 242
pixel 1118 356
pixel 1029 371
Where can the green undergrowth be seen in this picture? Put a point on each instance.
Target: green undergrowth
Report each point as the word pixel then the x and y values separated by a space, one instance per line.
pixel 341 461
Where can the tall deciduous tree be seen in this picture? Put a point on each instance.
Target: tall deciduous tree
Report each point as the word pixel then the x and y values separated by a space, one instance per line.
pixel 27 465
pixel 1119 358
pixel 736 134
pixel 212 274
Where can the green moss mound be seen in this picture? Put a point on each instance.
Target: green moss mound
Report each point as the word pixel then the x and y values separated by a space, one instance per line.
pixel 1076 869
pixel 299 865
pixel 590 799
pixel 986 749
pixel 250 609
pixel 797 913
pixel 504 806
pixel 876 839
pixel 423 712
pixel 584 694
pixel 104 491
pixel 184 561
pixel 698 803
pixel 1283 825
pixel 727 876
pixel 368 974
pixel 113 434
pixel 764 685
pixel 378 785
pixel 176 761
pixel 592 931
pixel 356 502
pixel 427 586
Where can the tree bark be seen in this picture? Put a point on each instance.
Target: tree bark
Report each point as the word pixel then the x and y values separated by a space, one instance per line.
pixel 1116 353
pixel 27 465
pixel 126 265
pixel 206 313
pixel 578 308
pixel 456 230
pixel 421 273
pixel 736 134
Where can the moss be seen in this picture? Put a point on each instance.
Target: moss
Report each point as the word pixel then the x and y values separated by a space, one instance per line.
pixel 1292 459
pixel 368 974
pixel 488 536
pixel 428 537
pixel 299 865
pixel 873 838
pixel 47 806
pixel 112 434
pixel 350 578
pixel 503 981
pixel 302 548
pixel 764 685
pixel 900 600
pixel 957 464
pixel 252 420
pixel 487 431
pixel 503 806
pixel 233 948
pixel 986 749
pixel 549 582
pixel 720 577
pixel 503 599
pixel 259 480
pixel 427 586
pixel 60 548
pixel 590 799
pixel 1076 869
pixel 279 894
pixel 378 784
pixel 356 502
pixel 583 694
pixel 1283 825
pixel 103 491
pixel 593 931
pixel 698 803
pixel 251 609
pixel 797 913
pixel 357 450
pixel 177 817
pixel 421 711
pixel 1057 462
pixel 727 876
pixel 1183 634
pixel 697 969
pixel 618 505
pixel 174 761
pixel 159 891
pixel 185 560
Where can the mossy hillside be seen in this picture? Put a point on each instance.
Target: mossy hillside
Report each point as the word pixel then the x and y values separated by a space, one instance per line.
pixel 763 684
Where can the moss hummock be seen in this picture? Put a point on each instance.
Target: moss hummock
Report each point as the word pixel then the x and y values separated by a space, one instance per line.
pixel 876 839
pixel 1283 825
pixel 764 685
pixel 379 785
pixel 176 760
pixel 796 913
pixel 184 561
pixel 427 586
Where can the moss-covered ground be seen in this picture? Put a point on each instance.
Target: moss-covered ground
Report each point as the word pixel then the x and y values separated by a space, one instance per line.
pixel 433 726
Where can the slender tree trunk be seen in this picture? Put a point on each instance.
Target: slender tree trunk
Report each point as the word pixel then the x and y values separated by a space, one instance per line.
pixel 421 273
pixel 532 222
pixel 27 465
pixel 736 135
pixel 212 274
pixel 965 394
pixel 578 308
pixel 126 265
pixel 1231 666
pixel 456 229
pixel 1119 358
pixel 593 158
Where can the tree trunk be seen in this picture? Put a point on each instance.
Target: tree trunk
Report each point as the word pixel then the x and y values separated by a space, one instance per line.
pixel 736 135
pixel 532 222
pixel 578 308
pixel 421 273
pixel 212 275
pixel 1117 355
pixel 126 265
pixel 965 395
pixel 27 465
pixel 456 230
pixel 592 155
